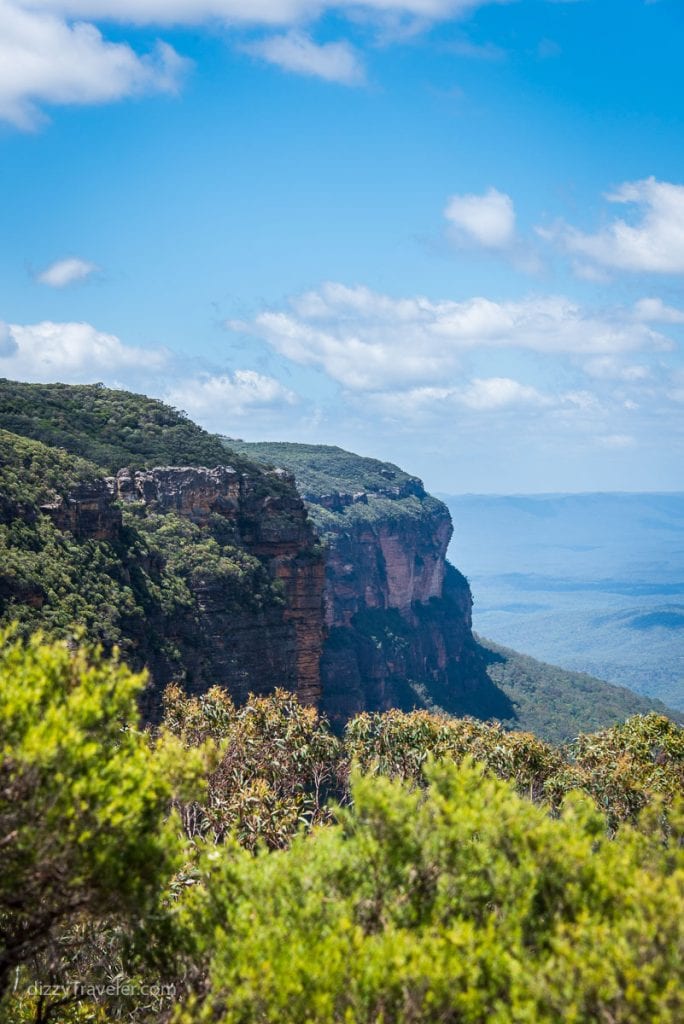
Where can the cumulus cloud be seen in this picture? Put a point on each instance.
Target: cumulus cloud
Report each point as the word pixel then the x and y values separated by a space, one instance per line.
pixel 52 52
pixel 488 219
pixel 652 242
pixel 479 394
pixel 229 394
pixel 297 52
pixel 45 60
pixel 70 352
pixel 7 343
pixel 367 341
pixel 65 272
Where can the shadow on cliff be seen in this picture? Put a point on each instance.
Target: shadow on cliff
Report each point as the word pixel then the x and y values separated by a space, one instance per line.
pixel 428 660
pixel 468 689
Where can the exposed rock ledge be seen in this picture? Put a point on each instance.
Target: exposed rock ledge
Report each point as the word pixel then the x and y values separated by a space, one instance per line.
pixel 252 651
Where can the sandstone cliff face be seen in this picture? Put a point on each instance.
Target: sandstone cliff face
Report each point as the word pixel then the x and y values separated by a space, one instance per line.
pixel 225 635
pixel 400 623
pixel 256 649
pixel 398 616
pixel 216 576
pixel 385 563
pixel 87 511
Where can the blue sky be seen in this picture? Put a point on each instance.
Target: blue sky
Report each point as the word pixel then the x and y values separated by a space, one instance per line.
pixel 448 233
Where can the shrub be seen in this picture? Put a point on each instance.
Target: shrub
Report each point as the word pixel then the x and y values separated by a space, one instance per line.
pixel 277 762
pixel 459 904
pixel 85 833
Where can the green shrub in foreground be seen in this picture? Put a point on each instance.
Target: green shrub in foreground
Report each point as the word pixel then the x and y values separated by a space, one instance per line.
pixel 459 904
pixel 441 895
pixel 86 842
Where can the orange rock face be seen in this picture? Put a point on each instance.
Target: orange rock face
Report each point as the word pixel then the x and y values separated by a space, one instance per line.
pixel 248 650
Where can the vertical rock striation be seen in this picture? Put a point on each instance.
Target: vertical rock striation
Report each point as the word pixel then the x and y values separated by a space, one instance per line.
pixel 398 616
pixel 253 649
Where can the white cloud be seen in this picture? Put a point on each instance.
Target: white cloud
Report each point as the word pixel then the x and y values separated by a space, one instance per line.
pixel 71 352
pixel 371 342
pixel 654 242
pixel 44 60
pixel 488 220
pixel 499 392
pixel 51 51
pixel 656 312
pixel 297 52
pixel 228 395
pixel 610 368
pixel 255 12
pixel 481 394
pixel 7 343
pixel 64 272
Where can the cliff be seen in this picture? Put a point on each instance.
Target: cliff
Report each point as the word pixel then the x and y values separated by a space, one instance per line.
pixel 398 616
pixel 243 645
pixel 122 518
pixel 204 575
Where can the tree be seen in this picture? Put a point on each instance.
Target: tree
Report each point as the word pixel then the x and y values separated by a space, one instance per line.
pixel 84 798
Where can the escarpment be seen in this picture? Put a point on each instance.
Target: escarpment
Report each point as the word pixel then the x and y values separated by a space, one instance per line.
pixel 201 563
pixel 204 576
pixel 126 524
pixel 269 636
pixel 398 615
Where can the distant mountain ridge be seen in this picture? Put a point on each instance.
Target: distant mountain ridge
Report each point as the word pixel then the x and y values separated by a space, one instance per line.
pixel 594 582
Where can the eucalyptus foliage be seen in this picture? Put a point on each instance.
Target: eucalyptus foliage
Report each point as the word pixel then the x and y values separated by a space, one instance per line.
pixel 241 865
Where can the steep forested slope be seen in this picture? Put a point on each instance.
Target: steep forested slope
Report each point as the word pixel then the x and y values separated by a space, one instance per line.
pixel 558 704
pixel 203 575
pixel 111 428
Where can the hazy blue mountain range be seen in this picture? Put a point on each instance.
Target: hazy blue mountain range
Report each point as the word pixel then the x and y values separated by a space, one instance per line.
pixel 593 582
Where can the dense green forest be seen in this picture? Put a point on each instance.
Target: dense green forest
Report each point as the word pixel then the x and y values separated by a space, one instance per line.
pixel 325 470
pixel 136 589
pixel 556 703
pixel 244 865
pixel 110 428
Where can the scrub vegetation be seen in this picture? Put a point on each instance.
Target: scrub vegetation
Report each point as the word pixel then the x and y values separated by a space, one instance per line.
pixel 243 864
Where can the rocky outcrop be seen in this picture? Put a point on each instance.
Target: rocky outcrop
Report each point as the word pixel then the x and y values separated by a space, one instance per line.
pixel 219 576
pixel 398 616
pixel 256 650
pixel 385 564
pixel 253 631
pixel 87 511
